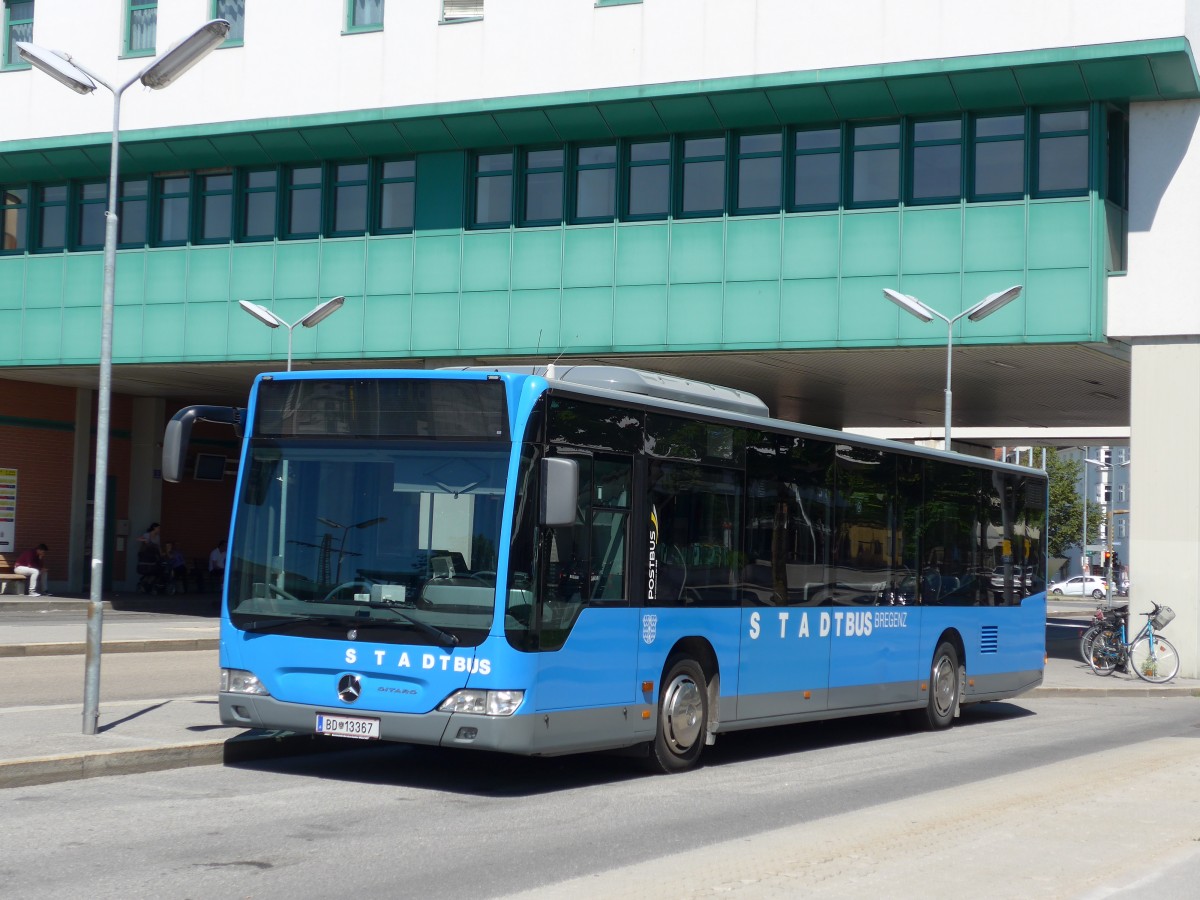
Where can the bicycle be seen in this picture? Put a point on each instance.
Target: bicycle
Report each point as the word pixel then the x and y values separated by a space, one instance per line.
pixel 1152 657
pixel 1101 620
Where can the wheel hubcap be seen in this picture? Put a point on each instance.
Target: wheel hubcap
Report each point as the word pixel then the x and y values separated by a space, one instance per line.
pixel 944 690
pixel 682 714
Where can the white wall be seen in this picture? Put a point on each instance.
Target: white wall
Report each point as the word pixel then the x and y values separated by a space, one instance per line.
pixel 296 61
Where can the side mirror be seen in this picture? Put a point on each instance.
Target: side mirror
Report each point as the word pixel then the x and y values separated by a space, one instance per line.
pixel 560 489
pixel 179 432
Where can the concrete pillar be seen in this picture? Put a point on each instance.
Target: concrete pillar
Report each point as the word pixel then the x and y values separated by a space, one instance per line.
pixel 1164 491
pixel 78 553
pixel 145 474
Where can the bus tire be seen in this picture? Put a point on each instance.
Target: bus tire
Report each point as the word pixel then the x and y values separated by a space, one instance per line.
pixel 682 717
pixel 945 687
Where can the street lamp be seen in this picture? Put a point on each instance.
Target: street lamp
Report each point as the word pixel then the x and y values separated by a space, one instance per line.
pixel 980 310
pixel 162 71
pixel 314 316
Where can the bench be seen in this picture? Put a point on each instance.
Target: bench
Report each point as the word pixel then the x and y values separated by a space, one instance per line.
pixel 7 575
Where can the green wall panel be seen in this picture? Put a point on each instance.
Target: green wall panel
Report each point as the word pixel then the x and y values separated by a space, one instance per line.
pixel 1006 323
pixel 130 281
pixel 753 248
pixel 931 240
pixel 162 334
pixel 697 252
pixel 994 238
pixel 485 260
pixel 751 313
pixel 640 317
pixel 694 314
pixel 434 322
pixel 208 274
pixel 41 335
pixel 589 255
pixel 808 312
pixel 534 320
pixel 436 264
pixel 941 292
pixel 342 334
pixel 587 318
pixel 220 328
pixel 439 175
pixel 127 333
pixel 252 272
pixel 1059 304
pixel 390 265
pixel 296 266
pixel 536 259
pixel 863 314
pixel 642 253
pixel 166 275
pixel 387 323
pixel 44 281
pixel 81 335
pixel 83 279
pixel 12 282
pixel 342 268
pixel 484 327
pixel 812 245
pixel 1060 234
pixel 871 243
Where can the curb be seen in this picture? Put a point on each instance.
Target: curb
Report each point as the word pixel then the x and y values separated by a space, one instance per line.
pixel 79 648
pixel 1136 692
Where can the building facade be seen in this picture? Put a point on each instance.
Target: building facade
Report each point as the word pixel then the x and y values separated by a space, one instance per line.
pixel 714 189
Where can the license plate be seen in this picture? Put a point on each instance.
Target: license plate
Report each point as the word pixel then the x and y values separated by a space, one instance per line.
pixel 348 726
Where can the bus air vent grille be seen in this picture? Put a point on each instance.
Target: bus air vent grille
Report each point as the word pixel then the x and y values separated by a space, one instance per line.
pixel 989 640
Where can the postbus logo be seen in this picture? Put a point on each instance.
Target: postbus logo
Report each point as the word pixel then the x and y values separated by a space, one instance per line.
pixel 652 567
pixel 649 628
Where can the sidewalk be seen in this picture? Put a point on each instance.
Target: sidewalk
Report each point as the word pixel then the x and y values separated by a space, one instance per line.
pixel 43 744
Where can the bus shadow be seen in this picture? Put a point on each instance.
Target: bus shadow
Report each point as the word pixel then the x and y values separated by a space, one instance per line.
pixel 483 774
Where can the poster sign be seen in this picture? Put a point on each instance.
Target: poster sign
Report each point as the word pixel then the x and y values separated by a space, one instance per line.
pixel 8 510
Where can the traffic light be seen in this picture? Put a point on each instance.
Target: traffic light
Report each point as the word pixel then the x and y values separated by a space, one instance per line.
pixel 1107 559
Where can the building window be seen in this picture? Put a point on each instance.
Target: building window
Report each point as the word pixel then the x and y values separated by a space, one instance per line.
pixel 462 10
pixel 818 169
pixel 260 204
pixel 1106 456
pixel 364 15
pixel 1121 529
pixel 876 165
pixel 174 204
pixel 703 191
pixel 133 212
pixel 216 207
pixel 15 215
pixel 350 181
pixel 141 28
pixel 1062 152
pixel 18 26
pixel 1120 493
pixel 649 189
pixel 52 216
pixel 493 189
pixel 1106 493
pixel 759 173
pixel 397 195
pixel 304 202
pixel 233 12
pixel 543 203
pixel 596 183
pixel 936 175
pixel 89 226
pixel 999 157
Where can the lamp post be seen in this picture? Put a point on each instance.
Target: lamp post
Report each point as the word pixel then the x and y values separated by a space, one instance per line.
pixel 161 72
pixel 980 310
pixel 317 314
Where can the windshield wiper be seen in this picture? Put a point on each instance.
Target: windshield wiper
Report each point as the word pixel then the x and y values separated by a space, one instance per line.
pixel 445 638
pixel 277 624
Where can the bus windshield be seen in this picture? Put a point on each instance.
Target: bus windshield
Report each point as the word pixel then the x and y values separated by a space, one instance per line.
pixel 398 537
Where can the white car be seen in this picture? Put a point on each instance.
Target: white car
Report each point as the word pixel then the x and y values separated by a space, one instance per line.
pixel 1081 586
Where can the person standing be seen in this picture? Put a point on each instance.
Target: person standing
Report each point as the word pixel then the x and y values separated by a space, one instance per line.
pixel 216 563
pixel 32 564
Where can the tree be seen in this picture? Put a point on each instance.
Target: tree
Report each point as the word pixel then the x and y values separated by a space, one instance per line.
pixel 1065 528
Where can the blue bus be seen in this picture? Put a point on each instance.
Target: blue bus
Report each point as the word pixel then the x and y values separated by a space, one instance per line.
pixel 549 560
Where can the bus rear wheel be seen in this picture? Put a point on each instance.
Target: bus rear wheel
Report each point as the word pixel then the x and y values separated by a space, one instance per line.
pixel 682 717
pixel 945 685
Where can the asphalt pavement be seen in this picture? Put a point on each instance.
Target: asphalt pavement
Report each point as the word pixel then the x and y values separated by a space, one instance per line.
pixel 45 743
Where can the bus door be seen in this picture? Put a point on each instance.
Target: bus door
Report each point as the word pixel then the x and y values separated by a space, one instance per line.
pixel 588 634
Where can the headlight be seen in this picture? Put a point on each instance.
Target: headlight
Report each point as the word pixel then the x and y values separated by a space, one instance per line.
pixel 483 703
pixel 239 681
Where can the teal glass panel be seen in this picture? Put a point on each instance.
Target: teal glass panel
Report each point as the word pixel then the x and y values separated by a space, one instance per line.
pixel 387 323
pixel 534 321
pixel 694 315
pixel 871 243
pixel 587 318
pixel 343 269
pixel 208 274
pixel 485 322
pixel 1059 306
pixel 588 257
pixel 808 311
pixel 537 259
pixel 1060 234
pixel 390 265
pixel 297 268
pixel 863 314
pixel 640 317
pixel 752 249
pixel 697 251
pixel 811 246
pixel 994 238
pixel 437 261
pixel 162 333
pixel 932 240
pixel 486 258
pixel 166 276
pixel 642 254
pixel 435 322
pixel 751 313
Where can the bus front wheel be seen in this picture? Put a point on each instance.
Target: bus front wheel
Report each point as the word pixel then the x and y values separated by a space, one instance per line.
pixel 945 685
pixel 682 717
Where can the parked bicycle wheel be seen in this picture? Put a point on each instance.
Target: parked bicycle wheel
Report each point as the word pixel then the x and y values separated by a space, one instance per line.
pixel 1105 652
pixel 1085 640
pixel 1154 659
